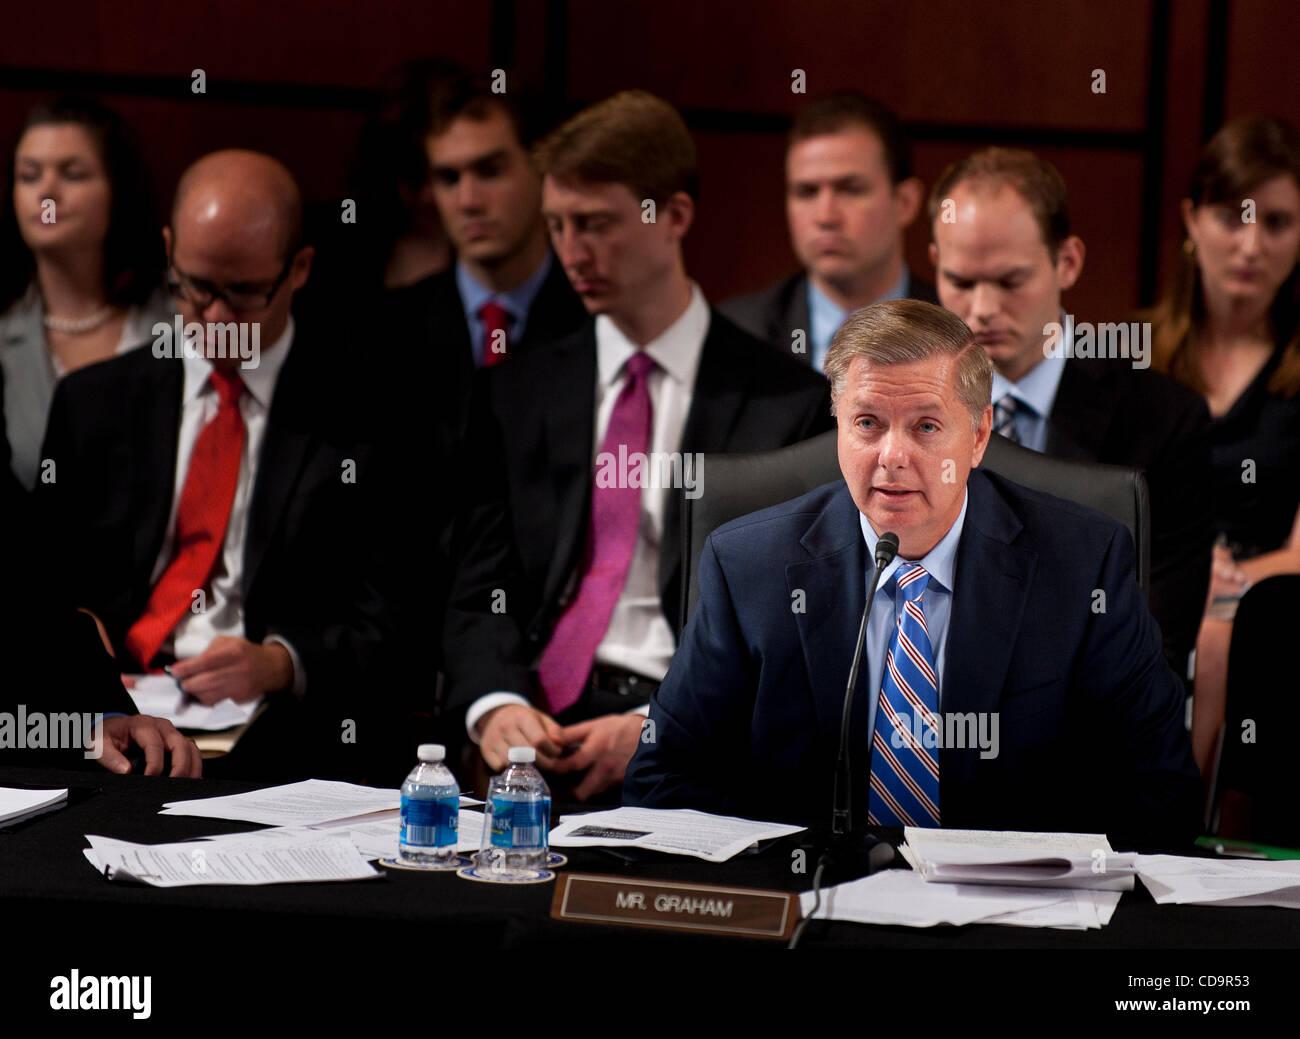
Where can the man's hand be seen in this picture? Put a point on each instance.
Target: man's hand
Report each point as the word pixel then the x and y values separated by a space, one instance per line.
pixel 515 725
pixel 235 668
pixel 608 744
pixel 1227 579
pixel 155 736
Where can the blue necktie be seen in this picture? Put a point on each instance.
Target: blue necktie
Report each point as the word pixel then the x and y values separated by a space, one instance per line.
pixel 1004 417
pixel 904 754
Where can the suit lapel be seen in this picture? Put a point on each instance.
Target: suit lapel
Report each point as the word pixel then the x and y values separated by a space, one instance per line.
pixel 1080 414
pixel 155 448
pixel 991 580
pixel 570 421
pixel 797 315
pixel 716 402
pixel 284 448
pixel 834 584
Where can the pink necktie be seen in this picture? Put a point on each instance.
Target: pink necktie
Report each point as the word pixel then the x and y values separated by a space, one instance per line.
pixel 611 540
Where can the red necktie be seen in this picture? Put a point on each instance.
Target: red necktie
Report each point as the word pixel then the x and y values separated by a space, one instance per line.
pixel 496 319
pixel 611 540
pixel 201 517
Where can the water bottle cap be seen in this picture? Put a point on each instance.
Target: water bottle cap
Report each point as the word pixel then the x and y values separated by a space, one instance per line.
pixel 431 752
pixel 519 755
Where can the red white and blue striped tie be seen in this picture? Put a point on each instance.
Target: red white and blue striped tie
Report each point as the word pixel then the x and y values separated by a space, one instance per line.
pixel 904 756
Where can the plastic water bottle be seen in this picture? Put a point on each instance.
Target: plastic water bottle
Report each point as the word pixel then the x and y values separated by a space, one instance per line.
pixel 430 809
pixel 518 822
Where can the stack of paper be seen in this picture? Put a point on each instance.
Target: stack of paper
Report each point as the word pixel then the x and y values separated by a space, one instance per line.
pixel 284 860
pixel 1224 882
pixel 1051 860
pixel 903 898
pixel 307 803
pixel 160 696
pixel 17 805
pixel 677 831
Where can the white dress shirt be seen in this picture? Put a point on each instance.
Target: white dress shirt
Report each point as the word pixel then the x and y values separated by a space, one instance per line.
pixel 223 612
pixel 639 638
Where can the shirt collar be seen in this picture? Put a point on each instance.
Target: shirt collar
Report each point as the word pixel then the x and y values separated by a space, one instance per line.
pixel 822 308
pixel 1038 386
pixel 676 349
pixel 517 301
pixel 259 381
pixel 940 562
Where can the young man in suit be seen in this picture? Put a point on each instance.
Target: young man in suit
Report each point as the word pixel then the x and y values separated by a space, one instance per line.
pixel 1004 254
pixel 505 293
pixel 992 693
pixel 850 194
pixel 215 507
pixel 565 611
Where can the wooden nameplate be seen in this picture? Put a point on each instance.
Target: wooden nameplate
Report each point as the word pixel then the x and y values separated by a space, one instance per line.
pixel 700 908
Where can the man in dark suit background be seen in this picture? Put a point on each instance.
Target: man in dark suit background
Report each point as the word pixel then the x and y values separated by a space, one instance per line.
pixel 505 293
pixel 1069 718
pixel 564 615
pixel 850 194
pixel 1004 254
pixel 216 509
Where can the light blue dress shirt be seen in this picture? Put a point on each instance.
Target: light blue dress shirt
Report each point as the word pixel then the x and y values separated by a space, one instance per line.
pixel 936 601
pixel 1037 389
pixel 517 302
pixel 825 316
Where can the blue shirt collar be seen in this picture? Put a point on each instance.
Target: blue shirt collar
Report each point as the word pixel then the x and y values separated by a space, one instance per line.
pixel 940 562
pixel 517 301
pixel 1038 386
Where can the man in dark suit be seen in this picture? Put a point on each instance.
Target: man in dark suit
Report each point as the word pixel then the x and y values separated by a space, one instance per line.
pixel 505 293
pixel 1004 254
pixel 1013 676
pixel 215 506
pixel 565 612
pixel 850 194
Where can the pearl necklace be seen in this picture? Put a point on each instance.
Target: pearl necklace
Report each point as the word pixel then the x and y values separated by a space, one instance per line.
pixel 75 326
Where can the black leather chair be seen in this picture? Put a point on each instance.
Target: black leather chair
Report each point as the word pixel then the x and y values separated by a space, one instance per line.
pixel 736 484
pixel 1253 790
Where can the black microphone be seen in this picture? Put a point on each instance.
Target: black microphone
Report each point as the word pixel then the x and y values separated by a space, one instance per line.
pixel 842 810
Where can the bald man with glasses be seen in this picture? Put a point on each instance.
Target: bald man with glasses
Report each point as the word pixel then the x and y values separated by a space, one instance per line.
pixel 215 508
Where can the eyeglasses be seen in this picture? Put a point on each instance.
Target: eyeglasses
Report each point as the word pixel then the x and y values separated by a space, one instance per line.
pixel 241 298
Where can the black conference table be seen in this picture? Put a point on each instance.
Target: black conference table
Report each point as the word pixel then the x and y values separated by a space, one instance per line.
pixel 50 895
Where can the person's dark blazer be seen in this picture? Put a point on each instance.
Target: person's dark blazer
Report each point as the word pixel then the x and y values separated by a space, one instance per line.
pixel 772 314
pixel 1091 733
pixel 313 570
pixel 534 420
pixel 1107 411
pixel 430 326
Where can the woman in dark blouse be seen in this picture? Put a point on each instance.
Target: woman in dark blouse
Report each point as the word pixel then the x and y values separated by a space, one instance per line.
pixel 1230 329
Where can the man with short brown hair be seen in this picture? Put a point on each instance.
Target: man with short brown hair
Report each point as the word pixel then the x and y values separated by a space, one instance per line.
pixel 559 643
pixel 850 194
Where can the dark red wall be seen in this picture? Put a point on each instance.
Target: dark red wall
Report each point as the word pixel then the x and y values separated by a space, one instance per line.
pixel 293 77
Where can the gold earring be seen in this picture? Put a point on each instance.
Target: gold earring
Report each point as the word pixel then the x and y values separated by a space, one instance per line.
pixel 1189 247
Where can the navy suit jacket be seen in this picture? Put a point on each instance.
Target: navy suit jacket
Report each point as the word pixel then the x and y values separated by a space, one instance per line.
pixel 1091 731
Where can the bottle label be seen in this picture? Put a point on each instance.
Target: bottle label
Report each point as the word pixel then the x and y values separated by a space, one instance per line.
pixel 520 824
pixel 430 824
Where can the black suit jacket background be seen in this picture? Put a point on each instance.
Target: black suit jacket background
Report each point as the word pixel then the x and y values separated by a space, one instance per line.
pixel 530 484
pixel 1107 411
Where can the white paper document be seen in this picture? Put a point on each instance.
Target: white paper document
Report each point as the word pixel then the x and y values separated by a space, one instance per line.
pixel 677 831
pixel 160 696
pixel 284 860
pixel 1227 882
pixel 17 804
pixel 903 898
pixel 1060 860
pixel 308 803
